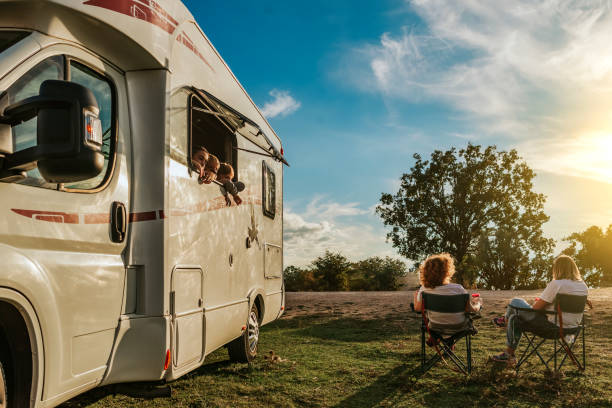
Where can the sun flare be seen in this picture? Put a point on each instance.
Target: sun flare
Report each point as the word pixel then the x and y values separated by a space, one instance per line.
pixel 591 156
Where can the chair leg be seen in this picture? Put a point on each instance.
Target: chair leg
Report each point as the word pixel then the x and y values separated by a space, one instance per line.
pixel 422 349
pixel 555 354
pixel 583 348
pixel 534 349
pixel 468 345
pixel 569 352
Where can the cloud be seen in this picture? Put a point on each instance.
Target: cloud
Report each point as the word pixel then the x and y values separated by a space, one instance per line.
pixel 327 225
pixel 535 73
pixel 283 104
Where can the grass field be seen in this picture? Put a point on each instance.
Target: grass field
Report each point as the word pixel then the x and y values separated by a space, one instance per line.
pixel 362 350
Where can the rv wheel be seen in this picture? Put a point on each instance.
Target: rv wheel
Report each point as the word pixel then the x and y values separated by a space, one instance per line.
pixel 3 394
pixel 244 348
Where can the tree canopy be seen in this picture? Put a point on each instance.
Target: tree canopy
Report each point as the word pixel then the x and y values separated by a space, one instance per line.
pixel 333 272
pixel 478 205
pixel 592 250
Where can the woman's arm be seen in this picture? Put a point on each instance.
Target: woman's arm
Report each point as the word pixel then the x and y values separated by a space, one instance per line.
pixel 418 306
pixel 540 304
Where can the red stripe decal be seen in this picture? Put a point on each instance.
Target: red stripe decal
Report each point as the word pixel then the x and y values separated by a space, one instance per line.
pixel 187 42
pixel 143 216
pixel 146 10
pixel 216 203
pixel 49 216
pixel 96 218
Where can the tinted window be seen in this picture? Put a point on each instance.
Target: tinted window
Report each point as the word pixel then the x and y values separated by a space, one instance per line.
pixel 269 191
pixel 24 134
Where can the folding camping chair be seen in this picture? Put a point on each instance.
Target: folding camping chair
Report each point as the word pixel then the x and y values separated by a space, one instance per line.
pixel 537 335
pixel 444 338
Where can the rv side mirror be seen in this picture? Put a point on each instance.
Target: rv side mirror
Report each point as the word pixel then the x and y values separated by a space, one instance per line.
pixel 69 133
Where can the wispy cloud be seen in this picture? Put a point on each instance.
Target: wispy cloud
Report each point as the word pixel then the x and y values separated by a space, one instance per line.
pixel 328 225
pixel 282 104
pixel 535 73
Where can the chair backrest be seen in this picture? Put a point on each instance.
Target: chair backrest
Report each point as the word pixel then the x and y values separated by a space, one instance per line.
pixel 445 303
pixel 571 303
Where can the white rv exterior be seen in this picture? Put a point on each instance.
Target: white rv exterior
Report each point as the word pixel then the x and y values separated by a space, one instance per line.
pixel 81 306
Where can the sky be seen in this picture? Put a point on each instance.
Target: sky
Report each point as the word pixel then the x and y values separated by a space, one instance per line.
pixel 354 88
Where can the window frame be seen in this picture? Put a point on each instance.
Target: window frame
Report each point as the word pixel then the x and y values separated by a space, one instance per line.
pixel 112 158
pixel 265 186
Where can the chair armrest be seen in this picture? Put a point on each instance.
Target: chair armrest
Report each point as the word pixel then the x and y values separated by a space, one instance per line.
pixel 528 309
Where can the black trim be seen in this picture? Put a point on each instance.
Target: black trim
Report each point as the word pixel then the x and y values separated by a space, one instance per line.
pixel 265 187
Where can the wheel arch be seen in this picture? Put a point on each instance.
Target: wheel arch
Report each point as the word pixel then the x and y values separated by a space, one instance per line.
pixel 21 305
pixel 256 297
pixel 26 285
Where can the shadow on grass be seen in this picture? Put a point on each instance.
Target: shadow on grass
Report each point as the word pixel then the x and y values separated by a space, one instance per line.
pixel 348 329
pixel 141 390
pixel 385 386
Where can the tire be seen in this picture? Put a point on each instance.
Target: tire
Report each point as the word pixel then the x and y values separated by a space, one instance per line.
pixel 244 348
pixel 3 388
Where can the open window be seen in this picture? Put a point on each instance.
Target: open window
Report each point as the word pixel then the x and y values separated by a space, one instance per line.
pixel 212 129
pixel 268 190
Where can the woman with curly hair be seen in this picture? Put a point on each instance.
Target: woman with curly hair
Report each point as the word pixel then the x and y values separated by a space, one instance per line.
pixel 435 274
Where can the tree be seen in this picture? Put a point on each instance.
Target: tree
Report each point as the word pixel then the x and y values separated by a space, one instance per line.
pixel 331 271
pixel 299 279
pixel 378 273
pixel 592 250
pixel 503 259
pixel 447 203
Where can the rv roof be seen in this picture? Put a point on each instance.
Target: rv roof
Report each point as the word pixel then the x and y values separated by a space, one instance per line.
pixel 133 34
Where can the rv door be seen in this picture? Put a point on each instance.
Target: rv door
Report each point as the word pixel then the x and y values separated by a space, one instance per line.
pixel 69 229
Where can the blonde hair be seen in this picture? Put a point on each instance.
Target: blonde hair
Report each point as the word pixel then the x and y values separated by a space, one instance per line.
pixel 437 270
pixel 564 267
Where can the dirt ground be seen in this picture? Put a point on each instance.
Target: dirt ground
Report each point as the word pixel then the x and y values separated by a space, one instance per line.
pixel 370 305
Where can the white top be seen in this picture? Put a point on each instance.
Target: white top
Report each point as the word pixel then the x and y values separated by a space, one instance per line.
pixel 444 318
pixel 567 287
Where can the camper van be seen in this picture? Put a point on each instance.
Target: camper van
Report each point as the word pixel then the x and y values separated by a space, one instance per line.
pixel 118 264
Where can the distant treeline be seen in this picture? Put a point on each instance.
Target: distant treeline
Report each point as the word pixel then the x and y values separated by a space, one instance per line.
pixel 477 204
pixel 334 272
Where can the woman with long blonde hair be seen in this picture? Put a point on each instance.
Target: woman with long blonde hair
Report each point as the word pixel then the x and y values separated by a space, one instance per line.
pixel 566 280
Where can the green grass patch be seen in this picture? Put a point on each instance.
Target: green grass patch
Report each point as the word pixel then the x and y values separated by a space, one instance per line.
pixel 328 360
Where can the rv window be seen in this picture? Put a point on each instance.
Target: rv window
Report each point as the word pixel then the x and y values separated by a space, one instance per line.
pixel 10 38
pixel 101 88
pixel 24 134
pixel 212 132
pixel 269 191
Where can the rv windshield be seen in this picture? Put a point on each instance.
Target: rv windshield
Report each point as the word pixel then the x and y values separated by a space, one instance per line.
pixel 10 38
